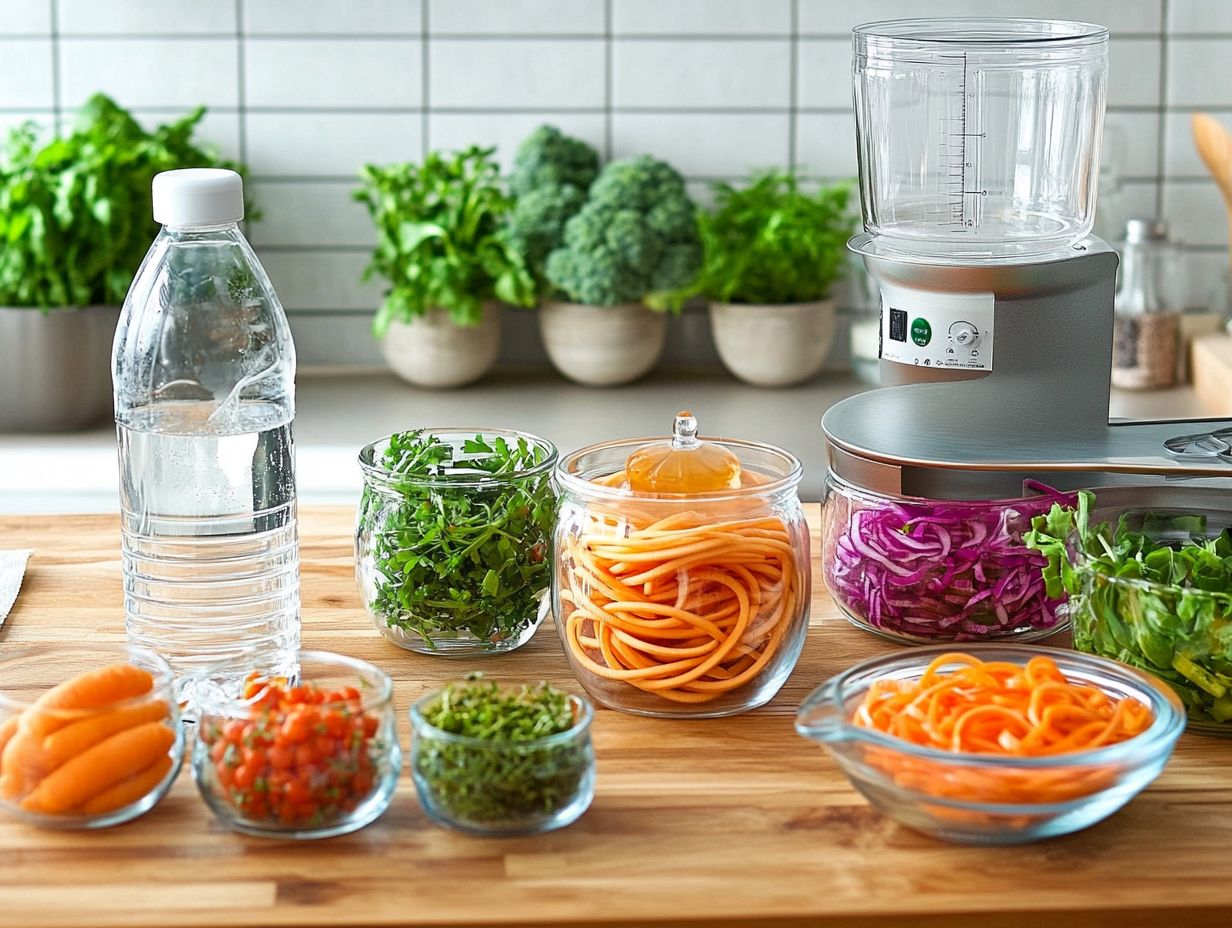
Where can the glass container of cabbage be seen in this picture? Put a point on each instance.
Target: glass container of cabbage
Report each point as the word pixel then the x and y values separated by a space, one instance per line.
pixel 926 570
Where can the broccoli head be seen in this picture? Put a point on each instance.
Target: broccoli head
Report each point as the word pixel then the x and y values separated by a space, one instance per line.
pixel 635 236
pixel 550 177
pixel 548 157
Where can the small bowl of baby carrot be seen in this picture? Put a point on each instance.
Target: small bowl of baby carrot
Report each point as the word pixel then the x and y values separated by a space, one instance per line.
pixel 996 744
pixel 89 737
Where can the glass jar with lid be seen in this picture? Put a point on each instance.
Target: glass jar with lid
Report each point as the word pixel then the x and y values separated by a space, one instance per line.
pixel 1146 326
pixel 681 579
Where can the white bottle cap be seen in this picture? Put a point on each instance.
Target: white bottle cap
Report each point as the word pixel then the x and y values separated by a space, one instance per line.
pixel 198 197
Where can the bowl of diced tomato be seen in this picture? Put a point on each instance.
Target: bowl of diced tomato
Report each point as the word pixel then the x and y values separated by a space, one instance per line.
pixel 310 755
pixel 89 737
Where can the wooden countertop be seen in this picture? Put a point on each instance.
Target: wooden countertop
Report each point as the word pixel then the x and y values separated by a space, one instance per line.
pixel 737 822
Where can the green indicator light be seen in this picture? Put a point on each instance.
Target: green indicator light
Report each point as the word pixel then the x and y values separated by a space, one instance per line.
pixel 921 332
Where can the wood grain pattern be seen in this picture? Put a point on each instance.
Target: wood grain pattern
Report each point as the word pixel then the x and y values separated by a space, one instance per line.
pixel 736 822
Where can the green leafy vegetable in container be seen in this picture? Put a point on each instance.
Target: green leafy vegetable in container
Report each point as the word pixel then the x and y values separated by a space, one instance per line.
pixel 454 537
pixel 489 758
pixel 634 240
pixel 773 243
pixel 441 238
pixel 75 210
pixel 1155 591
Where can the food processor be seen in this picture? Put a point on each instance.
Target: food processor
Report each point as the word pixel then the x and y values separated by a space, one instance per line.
pixel 979 144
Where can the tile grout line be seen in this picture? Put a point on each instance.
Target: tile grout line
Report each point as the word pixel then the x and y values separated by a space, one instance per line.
pixel 241 93
pixel 793 87
pixel 1161 132
pixel 425 45
pixel 607 80
pixel 56 91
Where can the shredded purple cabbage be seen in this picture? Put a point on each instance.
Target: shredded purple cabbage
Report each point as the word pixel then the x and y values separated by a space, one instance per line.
pixel 944 571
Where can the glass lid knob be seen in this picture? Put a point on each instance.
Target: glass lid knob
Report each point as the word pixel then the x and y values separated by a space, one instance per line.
pixel 685 464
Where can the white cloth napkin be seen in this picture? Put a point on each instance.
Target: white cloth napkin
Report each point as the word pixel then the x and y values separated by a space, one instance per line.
pixel 12 569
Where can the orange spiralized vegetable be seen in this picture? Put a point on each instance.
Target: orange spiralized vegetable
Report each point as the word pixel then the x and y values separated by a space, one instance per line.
pixel 689 606
pixel 998 708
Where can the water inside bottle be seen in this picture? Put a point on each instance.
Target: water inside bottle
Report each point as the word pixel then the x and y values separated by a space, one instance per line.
pixel 209 533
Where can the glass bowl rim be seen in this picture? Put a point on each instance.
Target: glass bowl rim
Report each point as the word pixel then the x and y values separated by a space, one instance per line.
pixel 227 706
pixel 164 676
pixel 981 31
pixel 582 487
pixel 584 713
pixel 1169 721
pixel 375 476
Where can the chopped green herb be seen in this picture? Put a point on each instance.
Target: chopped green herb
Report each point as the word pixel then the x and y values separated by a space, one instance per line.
pixel 511 777
pixel 471 558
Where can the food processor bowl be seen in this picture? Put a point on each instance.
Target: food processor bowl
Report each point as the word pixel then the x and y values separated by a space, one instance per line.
pixel 979 139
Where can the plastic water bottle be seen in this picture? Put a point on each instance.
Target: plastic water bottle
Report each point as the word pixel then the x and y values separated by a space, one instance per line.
pixel 204 372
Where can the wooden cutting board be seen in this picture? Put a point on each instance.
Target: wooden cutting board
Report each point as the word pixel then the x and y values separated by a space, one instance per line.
pixel 736 822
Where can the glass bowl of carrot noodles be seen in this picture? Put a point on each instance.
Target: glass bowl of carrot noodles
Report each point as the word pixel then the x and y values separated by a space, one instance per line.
pixel 691 603
pixel 996 744
pixel 89 736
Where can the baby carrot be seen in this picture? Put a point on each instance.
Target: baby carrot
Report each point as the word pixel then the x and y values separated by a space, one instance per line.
pixel 71 740
pixel 130 790
pixel 19 763
pixel 90 690
pixel 7 728
pixel 100 768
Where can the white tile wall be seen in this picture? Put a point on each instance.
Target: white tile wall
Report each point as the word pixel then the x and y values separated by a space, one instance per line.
pixel 523 17
pixel 701 74
pixel 330 144
pixel 333 72
pixel 151 71
pixel 331 17
pixel 701 17
pixel 306 91
pixel 506 131
pixel 517 73
pixel 136 17
pixel 25 74
pixel 25 16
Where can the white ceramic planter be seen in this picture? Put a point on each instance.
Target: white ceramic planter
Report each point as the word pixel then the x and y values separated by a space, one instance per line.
pixel 55 368
pixel 774 346
pixel 602 346
pixel 433 351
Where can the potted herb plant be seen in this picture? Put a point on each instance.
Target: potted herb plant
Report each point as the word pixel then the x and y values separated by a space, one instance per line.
pixel 772 253
pixel 444 249
pixel 603 245
pixel 75 223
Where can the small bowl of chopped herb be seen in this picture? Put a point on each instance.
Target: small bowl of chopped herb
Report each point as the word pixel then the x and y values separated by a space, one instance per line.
pixel 502 759
pixel 453 541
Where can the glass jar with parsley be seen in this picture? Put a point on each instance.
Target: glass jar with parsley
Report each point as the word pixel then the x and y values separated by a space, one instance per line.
pixel 502 759
pixel 311 755
pixel 453 543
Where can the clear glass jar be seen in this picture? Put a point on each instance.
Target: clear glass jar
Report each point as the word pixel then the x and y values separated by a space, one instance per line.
pixel 457 560
pixel 493 786
pixel 681 604
pixel 308 769
pixel 38 739
pixel 979 138
pixel 1177 633
pixel 1146 326
pixel 920 570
